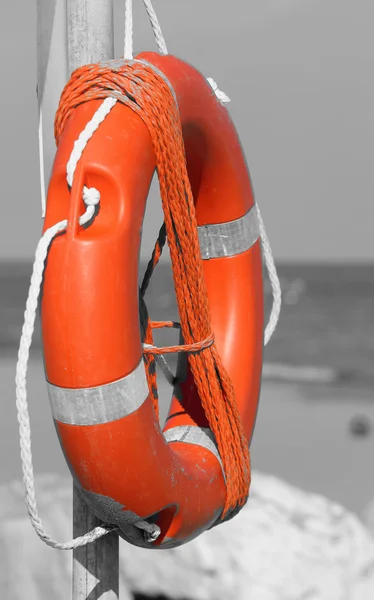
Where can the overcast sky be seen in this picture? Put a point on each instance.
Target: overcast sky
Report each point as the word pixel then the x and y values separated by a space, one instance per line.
pixel 301 78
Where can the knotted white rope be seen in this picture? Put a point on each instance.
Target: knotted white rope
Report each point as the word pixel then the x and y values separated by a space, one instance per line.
pixel 128 51
pixel 222 97
pixel 91 198
pixel 80 144
pixel 160 40
pixel 129 25
pixel 274 280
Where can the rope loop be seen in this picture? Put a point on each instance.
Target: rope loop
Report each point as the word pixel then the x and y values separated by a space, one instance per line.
pixel 91 196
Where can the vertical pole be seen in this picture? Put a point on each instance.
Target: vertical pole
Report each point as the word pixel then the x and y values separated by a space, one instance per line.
pixel 95 566
pixel 90 31
pixel 52 71
pixel 72 33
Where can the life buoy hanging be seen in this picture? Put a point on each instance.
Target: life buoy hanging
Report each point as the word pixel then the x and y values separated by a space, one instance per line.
pixel 102 403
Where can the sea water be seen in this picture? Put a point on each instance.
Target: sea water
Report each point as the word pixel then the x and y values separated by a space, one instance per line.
pixel 318 378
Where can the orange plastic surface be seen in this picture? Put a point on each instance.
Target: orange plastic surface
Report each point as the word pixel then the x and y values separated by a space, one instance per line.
pixel 90 313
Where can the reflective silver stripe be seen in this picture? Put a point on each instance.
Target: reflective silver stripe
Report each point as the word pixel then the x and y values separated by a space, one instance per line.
pixel 191 434
pixel 231 238
pixel 102 404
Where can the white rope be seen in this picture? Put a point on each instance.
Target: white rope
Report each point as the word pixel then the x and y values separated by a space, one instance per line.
pixel 274 280
pixel 222 97
pixel 91 198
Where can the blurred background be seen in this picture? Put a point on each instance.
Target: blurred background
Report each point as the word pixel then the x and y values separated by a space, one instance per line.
pixel 299 75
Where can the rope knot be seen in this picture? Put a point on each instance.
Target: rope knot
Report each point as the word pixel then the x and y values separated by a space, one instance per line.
pixel 91 196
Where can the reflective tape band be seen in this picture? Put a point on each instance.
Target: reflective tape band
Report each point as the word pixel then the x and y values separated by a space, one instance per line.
pixel 192 434
pixel 231 238
pixel 102 404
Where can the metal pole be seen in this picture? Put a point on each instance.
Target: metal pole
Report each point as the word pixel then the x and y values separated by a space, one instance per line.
pixel 52 70
pixel 90 31
pixel 95 566
pixel 72 33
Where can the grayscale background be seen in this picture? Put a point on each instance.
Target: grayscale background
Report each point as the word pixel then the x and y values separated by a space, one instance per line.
pixel 300 77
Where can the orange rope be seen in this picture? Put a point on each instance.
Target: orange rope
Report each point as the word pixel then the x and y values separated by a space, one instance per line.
pixel 146 92
pixel 161 324
pixel 195 347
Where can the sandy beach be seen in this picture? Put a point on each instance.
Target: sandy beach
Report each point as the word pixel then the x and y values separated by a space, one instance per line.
pixel 302 435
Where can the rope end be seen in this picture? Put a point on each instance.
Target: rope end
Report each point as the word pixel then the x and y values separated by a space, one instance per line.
pixel 221 96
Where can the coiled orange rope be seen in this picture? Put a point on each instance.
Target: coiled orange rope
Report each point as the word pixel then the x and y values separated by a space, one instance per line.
pixel 145 91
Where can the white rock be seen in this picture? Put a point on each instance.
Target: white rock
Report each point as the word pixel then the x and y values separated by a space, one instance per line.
pixel 286 544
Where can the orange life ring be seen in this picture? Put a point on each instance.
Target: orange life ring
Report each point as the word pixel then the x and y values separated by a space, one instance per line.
pixel 124 464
